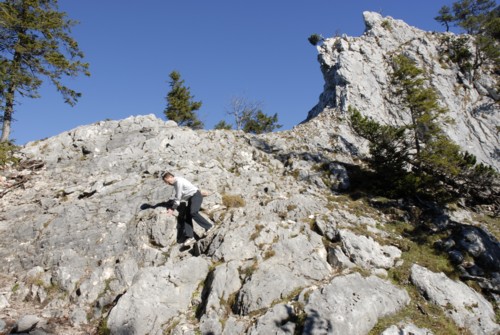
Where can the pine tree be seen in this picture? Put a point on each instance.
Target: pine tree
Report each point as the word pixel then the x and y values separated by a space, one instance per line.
pixel 480 19
pixel 180 105
pixel 445 17
pixel 436 156
pixel 248 116
pixel 421 101
pixel 389 150
pixel 223 125
pixel 472 15
pixel 35 43
pixel 315 39
pixel 259 123
pixel 418 158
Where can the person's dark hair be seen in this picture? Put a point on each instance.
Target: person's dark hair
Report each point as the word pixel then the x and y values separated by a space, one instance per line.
pixel 166 174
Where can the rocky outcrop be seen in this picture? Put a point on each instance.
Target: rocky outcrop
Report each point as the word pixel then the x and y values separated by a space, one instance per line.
pixel 87 245
pixel 465 306
pixel 156 295
pixel 357 71
pixel 351 304
pixel 87 242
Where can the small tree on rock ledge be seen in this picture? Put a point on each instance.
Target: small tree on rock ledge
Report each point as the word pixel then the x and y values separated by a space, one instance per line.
pixel 180 105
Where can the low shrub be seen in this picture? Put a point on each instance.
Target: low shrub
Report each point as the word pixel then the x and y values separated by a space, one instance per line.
pixel 232 200
pixel 7 150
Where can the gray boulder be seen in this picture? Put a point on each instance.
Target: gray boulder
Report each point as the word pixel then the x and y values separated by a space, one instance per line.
pixel 352 305
pixel 156 296
pixel 466 307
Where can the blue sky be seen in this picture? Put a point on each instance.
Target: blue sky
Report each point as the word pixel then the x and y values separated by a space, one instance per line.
pixel 222 48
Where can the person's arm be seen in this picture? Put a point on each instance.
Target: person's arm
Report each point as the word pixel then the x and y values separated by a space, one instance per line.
pixel 178 185
pixel 175 200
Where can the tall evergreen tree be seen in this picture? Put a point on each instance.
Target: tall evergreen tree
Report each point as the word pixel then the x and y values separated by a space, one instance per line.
pixel 180 105
pixel 418 158
pixel 421 101
pixel 35 43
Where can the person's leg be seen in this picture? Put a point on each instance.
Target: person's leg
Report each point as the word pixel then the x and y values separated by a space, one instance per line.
pixel 194 209
pixel 181 221
pixel 188 223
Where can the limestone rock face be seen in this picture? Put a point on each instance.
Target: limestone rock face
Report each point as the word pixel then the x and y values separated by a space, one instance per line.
pixel 154 296
pixel 351 304
pixel 89 242
pixel 468 308
pixel 357 71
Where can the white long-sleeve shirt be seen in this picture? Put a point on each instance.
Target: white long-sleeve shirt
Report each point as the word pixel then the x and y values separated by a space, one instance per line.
pixel 183 190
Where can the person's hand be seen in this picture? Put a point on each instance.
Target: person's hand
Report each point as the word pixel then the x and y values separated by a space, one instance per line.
pixel 170 211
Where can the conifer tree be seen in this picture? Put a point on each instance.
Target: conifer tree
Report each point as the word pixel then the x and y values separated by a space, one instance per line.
pixel 315 39
pixel 35 44
pixel 223 125
pixel 180 105
pixel 259 123
pixel 248 116
pixel 389 150
pixel 421 101
pixel 445 17
pixel 435 154
pixel 481 20
pixel 418 158
pixel 473 15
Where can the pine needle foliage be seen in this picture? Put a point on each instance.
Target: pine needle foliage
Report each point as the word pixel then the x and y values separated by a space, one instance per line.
pixel 480 19
pixel 35 44
pixel 7 150
pixel 315 39
pixel 249 117
pixel 259 123
pixel 180 105
pixel 223 125
pixel 388 149
pixel 418 159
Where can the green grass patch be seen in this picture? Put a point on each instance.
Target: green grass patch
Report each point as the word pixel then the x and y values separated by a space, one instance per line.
pixel 491 223
pixel 102 328
pixel 417 248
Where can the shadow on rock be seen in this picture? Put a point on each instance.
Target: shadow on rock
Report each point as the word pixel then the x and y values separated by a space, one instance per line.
pixel 164 204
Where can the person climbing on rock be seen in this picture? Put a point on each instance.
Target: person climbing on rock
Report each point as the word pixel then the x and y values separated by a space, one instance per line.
pixel 185 191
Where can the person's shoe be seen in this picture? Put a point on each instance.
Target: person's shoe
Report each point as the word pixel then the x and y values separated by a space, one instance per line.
pixel 189 242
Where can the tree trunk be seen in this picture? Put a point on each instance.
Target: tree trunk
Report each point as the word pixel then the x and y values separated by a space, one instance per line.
pixel 7 118
pixel 7 115
pixel 9 98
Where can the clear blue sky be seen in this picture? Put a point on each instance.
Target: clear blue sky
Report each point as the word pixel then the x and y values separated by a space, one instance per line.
pixel 222 48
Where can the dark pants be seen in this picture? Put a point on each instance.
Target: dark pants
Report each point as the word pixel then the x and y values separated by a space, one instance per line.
pixel 192 213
